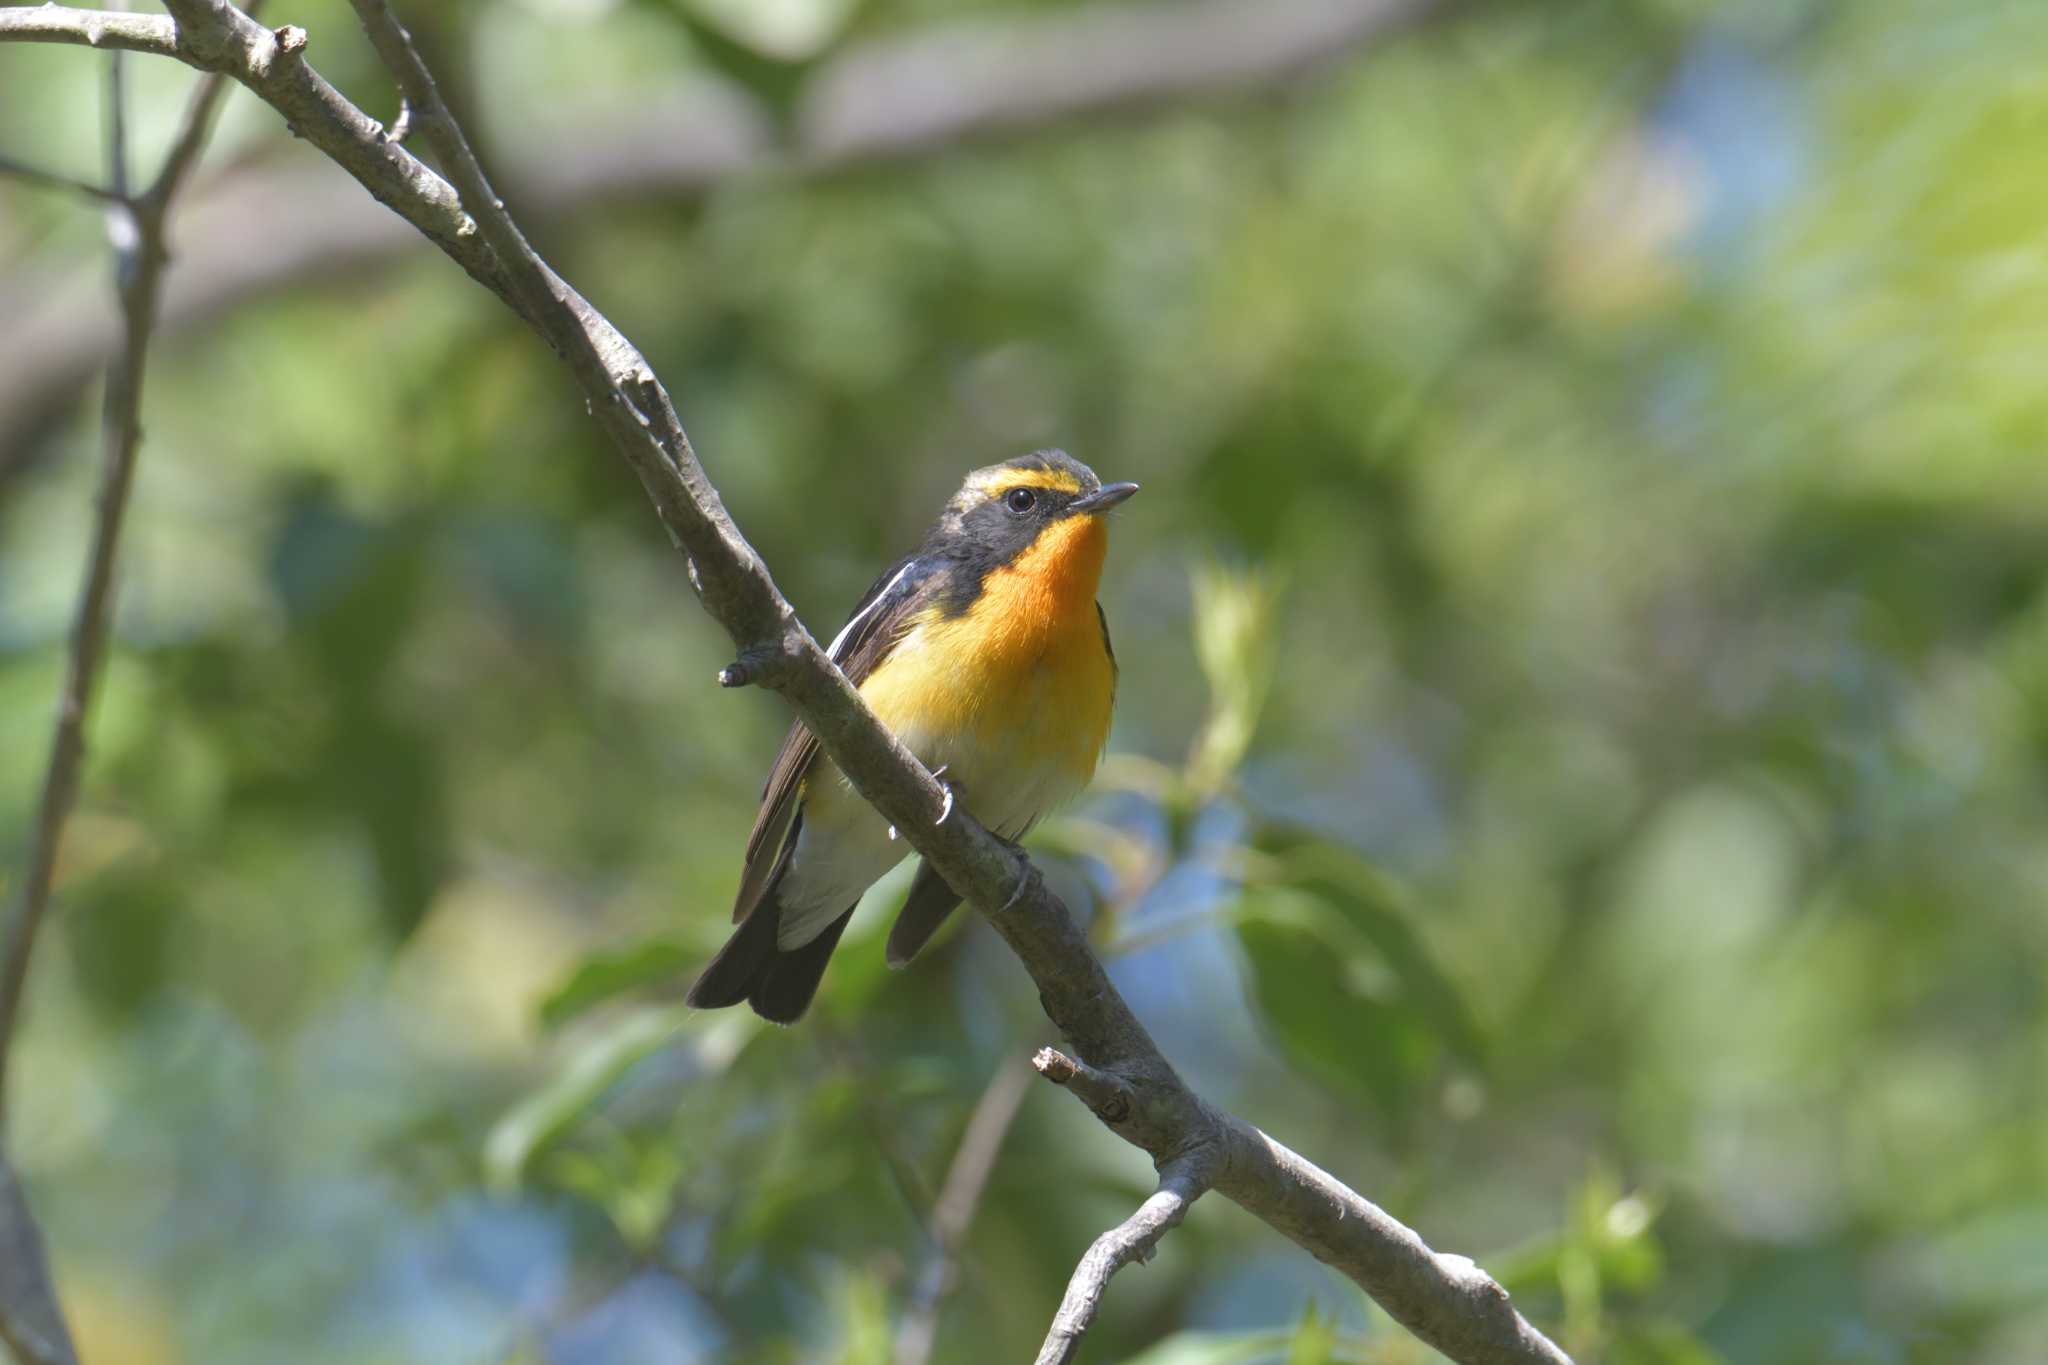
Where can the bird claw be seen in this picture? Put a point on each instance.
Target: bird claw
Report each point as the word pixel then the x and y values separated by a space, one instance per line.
pixel 1030 875
pixel 938 773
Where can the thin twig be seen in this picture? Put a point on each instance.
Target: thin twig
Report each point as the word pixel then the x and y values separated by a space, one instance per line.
pixel 136 228
pixel 1445 1300
pixel 193 131
pixel 1181 1182
pixel 31 1321
pixel 117 118
pixel 959 1200
pixel 51 180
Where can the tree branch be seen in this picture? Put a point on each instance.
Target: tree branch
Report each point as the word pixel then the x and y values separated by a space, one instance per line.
pixel 1181 1182
pixel 107 29
pixel 31 1327
pixel 878 100
pixel 31 1322
pixel 51 180
pixel 136 228
pixel 1444 1300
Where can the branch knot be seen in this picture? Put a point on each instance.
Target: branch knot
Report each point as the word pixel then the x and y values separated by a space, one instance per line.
pixel 757 666
pixel 1108 1094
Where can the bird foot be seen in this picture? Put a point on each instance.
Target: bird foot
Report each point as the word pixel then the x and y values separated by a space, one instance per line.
pixel 1024 881
pixel 938 775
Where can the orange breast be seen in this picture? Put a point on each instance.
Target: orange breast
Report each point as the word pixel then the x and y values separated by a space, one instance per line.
pixel 1016 692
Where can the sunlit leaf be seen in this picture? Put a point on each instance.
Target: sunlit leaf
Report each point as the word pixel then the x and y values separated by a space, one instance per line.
pixel 1373 931
pixel 1315 1339
pixel 1335 1010
pixel 605 976
pixel 545 1116
pixel 1233 619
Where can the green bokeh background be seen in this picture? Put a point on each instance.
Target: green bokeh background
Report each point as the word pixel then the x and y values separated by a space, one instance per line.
pixel 1581 775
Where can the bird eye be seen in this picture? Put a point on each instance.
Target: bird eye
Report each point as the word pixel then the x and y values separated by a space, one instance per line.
pixel 1020 499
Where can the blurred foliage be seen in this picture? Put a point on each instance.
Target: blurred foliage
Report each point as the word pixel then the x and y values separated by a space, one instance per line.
pixel 1598 813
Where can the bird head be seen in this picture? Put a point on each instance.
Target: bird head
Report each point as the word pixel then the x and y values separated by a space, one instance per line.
pixel 1046 501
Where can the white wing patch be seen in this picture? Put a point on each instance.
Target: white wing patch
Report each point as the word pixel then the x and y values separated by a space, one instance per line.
pixel 881 598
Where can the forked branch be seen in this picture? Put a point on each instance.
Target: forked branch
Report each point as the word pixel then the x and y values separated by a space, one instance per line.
pixel 1181 1182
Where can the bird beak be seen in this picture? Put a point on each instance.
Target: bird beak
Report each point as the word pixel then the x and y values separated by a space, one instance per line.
pixel 1102 499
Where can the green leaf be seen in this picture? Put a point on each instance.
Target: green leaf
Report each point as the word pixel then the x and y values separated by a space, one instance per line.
pixel 607 975
pixel 395 780
pixel 1335 1012
pixel 1381 925
pixel 1606 1247
pixel 1315 1339
pixel 862 1303
pixel 353 590
pixel 119 929
pixel 545 1117
pixel 1233 618
pixel 773 65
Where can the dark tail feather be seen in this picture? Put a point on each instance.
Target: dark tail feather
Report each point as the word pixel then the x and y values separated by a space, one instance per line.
pixel 741 963
pixel 924 910
pixel 785 986
pixel 779 985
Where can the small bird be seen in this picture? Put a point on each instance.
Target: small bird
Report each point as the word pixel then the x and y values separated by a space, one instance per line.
pixel 987 654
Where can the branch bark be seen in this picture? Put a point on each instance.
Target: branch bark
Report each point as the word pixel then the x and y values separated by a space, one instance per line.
pixel 1444 1300
pixel 50 180
pixel 31 1327
pixel 1181 1182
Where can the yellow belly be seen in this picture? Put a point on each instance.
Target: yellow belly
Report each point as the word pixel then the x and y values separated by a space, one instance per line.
pixel 1014 694
pixel 1018 718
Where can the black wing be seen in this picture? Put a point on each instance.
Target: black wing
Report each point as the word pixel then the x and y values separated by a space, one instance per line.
pixel 861 645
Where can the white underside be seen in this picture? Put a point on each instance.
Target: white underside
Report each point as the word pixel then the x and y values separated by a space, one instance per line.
pixel 844 847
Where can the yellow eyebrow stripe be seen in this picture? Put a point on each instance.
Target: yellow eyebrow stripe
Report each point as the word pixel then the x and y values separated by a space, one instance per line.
pixel 1003 480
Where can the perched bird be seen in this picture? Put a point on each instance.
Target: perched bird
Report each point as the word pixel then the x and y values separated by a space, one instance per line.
pixel 987 654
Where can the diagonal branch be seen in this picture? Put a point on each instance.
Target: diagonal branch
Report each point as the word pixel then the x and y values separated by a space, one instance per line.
pixel 51 180
pixel 1181 1182
pixel 1444 1300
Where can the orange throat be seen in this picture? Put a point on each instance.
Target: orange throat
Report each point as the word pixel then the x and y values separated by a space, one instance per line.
pixel 1014 694
pixel 1045 593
